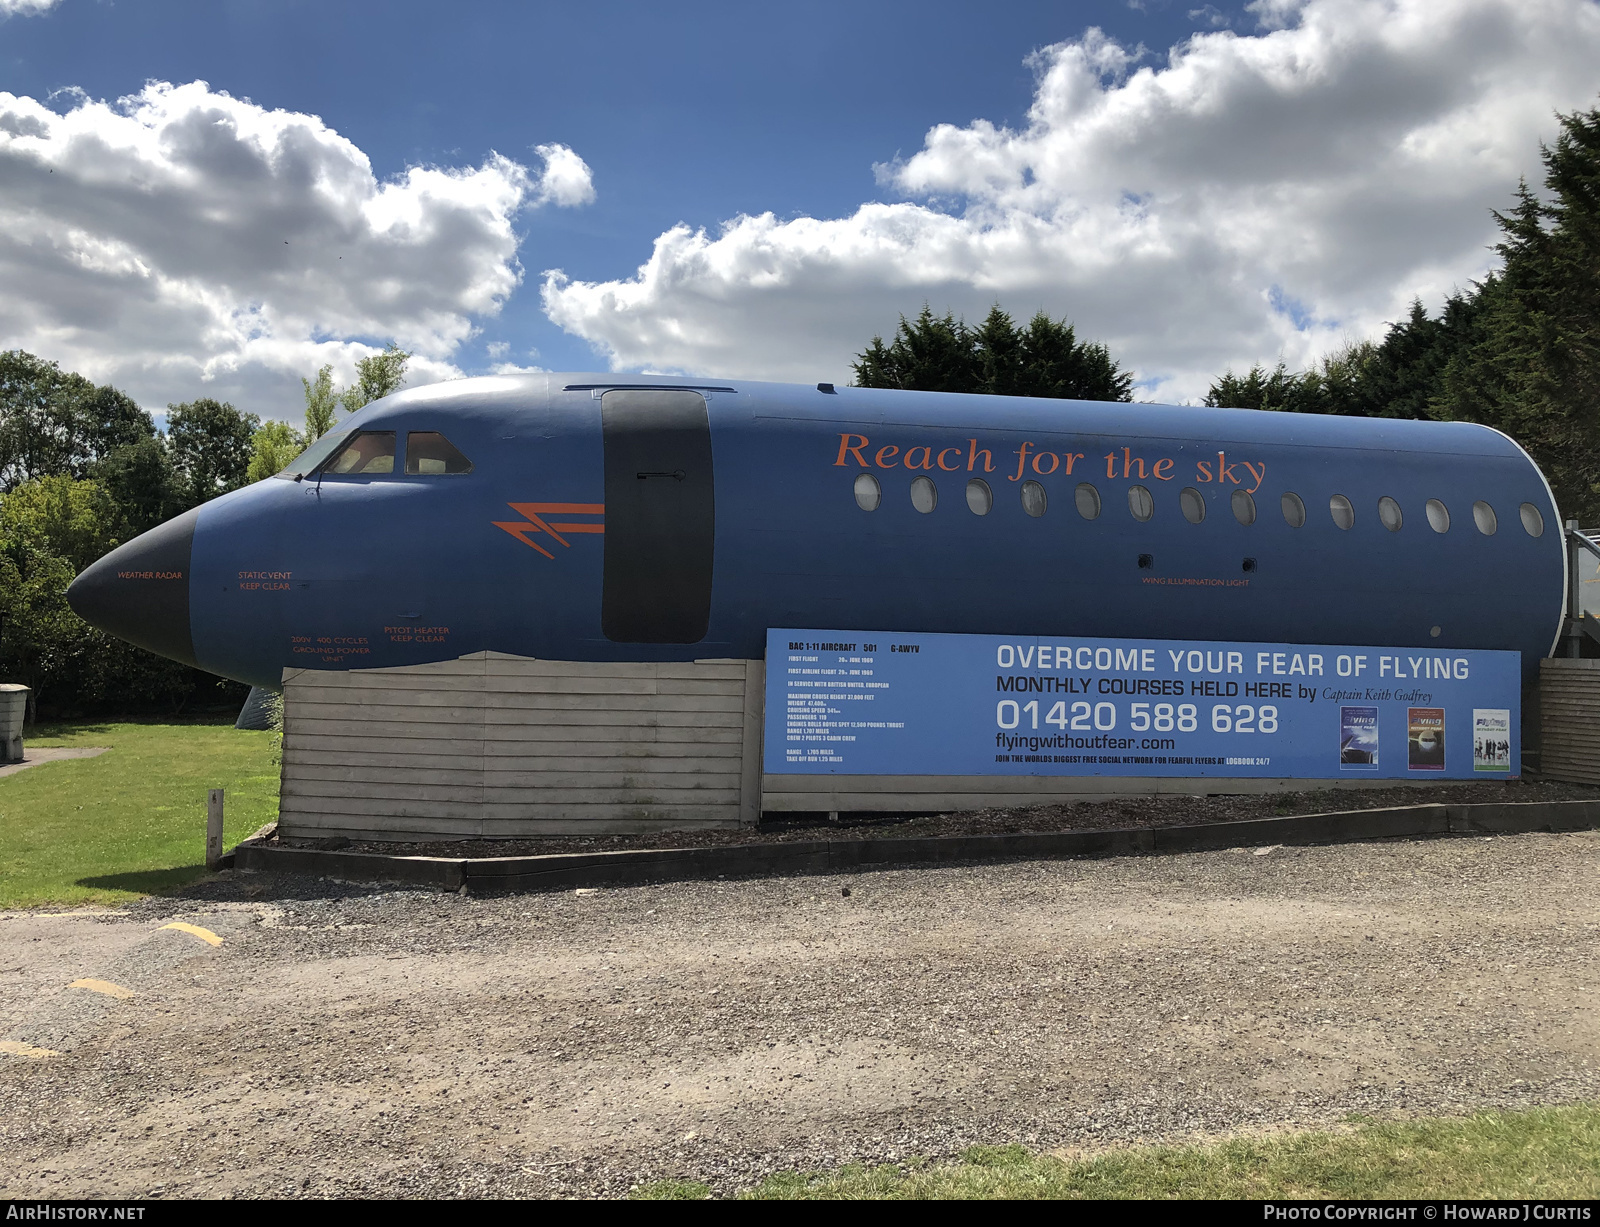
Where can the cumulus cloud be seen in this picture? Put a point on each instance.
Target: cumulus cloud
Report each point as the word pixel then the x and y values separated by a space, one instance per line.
pixel 1210 15
pixel 566 181
pixel 26 8
pixel 182 242
pixel 1252 197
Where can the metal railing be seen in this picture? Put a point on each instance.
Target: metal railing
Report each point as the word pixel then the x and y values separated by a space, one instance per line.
pixel 1583 547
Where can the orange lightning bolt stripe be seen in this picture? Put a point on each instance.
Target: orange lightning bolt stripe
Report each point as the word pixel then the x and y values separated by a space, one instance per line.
pixel 520 530
pixel 534 522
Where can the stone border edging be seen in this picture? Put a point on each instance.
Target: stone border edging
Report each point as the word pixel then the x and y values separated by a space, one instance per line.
pixel 564 871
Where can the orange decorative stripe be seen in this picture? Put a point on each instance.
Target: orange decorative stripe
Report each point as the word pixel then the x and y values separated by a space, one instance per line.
pixel 520 531
pixel 579 528
pixel 571 509
pixel 547 528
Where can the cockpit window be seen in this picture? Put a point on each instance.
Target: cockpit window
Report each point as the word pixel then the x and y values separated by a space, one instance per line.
pixel 314 455
pixel 370 452
pixel 429 452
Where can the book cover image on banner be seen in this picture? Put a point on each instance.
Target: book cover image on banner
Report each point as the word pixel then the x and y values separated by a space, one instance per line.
pixel 1425 738
pixel 898 703
pixel 1491 739
pixel 1358 738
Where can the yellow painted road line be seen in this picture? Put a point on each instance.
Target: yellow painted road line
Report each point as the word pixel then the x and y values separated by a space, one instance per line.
pixel 205 935
pixel 104 986
pixel 17 1049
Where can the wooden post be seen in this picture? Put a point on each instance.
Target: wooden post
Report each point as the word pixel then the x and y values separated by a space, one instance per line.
pixel 214 829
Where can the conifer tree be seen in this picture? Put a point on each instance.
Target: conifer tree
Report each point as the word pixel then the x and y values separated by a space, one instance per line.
pixel 942 354
pixel 1533 370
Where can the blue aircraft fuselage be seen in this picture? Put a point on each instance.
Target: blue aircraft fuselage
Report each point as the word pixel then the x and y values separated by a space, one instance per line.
pixel 600 518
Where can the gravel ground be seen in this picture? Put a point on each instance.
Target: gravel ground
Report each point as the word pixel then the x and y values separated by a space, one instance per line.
pixel 1078 816
pixel 377 1042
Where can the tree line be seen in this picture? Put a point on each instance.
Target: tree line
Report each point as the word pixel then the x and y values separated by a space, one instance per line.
pixel 83 469
pixel 1518 351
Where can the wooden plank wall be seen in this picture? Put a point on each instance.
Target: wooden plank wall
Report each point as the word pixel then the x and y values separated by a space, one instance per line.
pixel 495 746
pixel 1569 711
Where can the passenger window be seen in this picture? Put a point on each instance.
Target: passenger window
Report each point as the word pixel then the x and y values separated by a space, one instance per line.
pixel 428 452
pixel 1088 500
pixel 1532 521
pixel 924 494
pixel 1192 504
pixel 1438 515
pixel 1389 514
pixel 1483 516
pixel 868 493
pixel 1140 503
pixel 979 497
pixel 1033 499
pixel 1244 507
pixel 367 454
pixel 1344 515
pixel 1294 510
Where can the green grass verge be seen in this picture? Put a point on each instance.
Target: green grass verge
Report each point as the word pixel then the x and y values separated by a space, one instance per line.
pixel 131 821
pixel 1540 1154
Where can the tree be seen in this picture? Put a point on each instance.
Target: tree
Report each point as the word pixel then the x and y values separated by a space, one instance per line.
pixel 1408 366
pixel 1053 362
pixel 1260 389
pixel 82 469
pixel 272 447
pixel 139 478
pixel 1397 377
pixel 34 618
pixel 210 443
pixel 376 377
pixel 942 354
pixel 74 520
pixel 931 355
pixel 49 529
pixel 1337 385
pixel 1520 351
pixel 57 422
pixel 321 401
pixel 1533 367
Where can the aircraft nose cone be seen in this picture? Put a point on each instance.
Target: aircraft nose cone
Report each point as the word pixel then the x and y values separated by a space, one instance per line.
pixel 140 591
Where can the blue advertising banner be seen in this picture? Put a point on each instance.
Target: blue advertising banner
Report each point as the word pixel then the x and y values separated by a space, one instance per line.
pixel 891 703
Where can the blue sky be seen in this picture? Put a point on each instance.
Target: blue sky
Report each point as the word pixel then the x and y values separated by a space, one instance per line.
pixel 699 114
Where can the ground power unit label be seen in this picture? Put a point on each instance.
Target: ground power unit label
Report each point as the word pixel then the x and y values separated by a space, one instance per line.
pixel 892 703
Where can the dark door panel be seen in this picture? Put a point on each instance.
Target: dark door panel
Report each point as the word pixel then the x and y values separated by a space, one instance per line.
pixel 660 516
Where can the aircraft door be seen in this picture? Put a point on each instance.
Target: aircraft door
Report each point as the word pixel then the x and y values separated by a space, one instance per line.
pixel 660 521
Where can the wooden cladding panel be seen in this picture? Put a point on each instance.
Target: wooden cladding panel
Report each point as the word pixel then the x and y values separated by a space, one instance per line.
pixel 411 797
pixel 514 756
pixel 501 746
pixel 454 706
pixel 1569 720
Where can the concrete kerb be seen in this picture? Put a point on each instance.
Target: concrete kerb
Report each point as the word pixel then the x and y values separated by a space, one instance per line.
pixel 565 871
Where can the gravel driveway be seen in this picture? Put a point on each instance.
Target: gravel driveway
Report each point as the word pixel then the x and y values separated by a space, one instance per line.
pixel 350 1041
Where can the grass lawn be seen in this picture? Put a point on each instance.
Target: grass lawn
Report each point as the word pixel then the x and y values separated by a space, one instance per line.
pixel 133 820
pixel 1545 1153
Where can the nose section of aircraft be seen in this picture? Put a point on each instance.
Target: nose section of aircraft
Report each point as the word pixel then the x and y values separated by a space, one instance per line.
pixel 140 591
